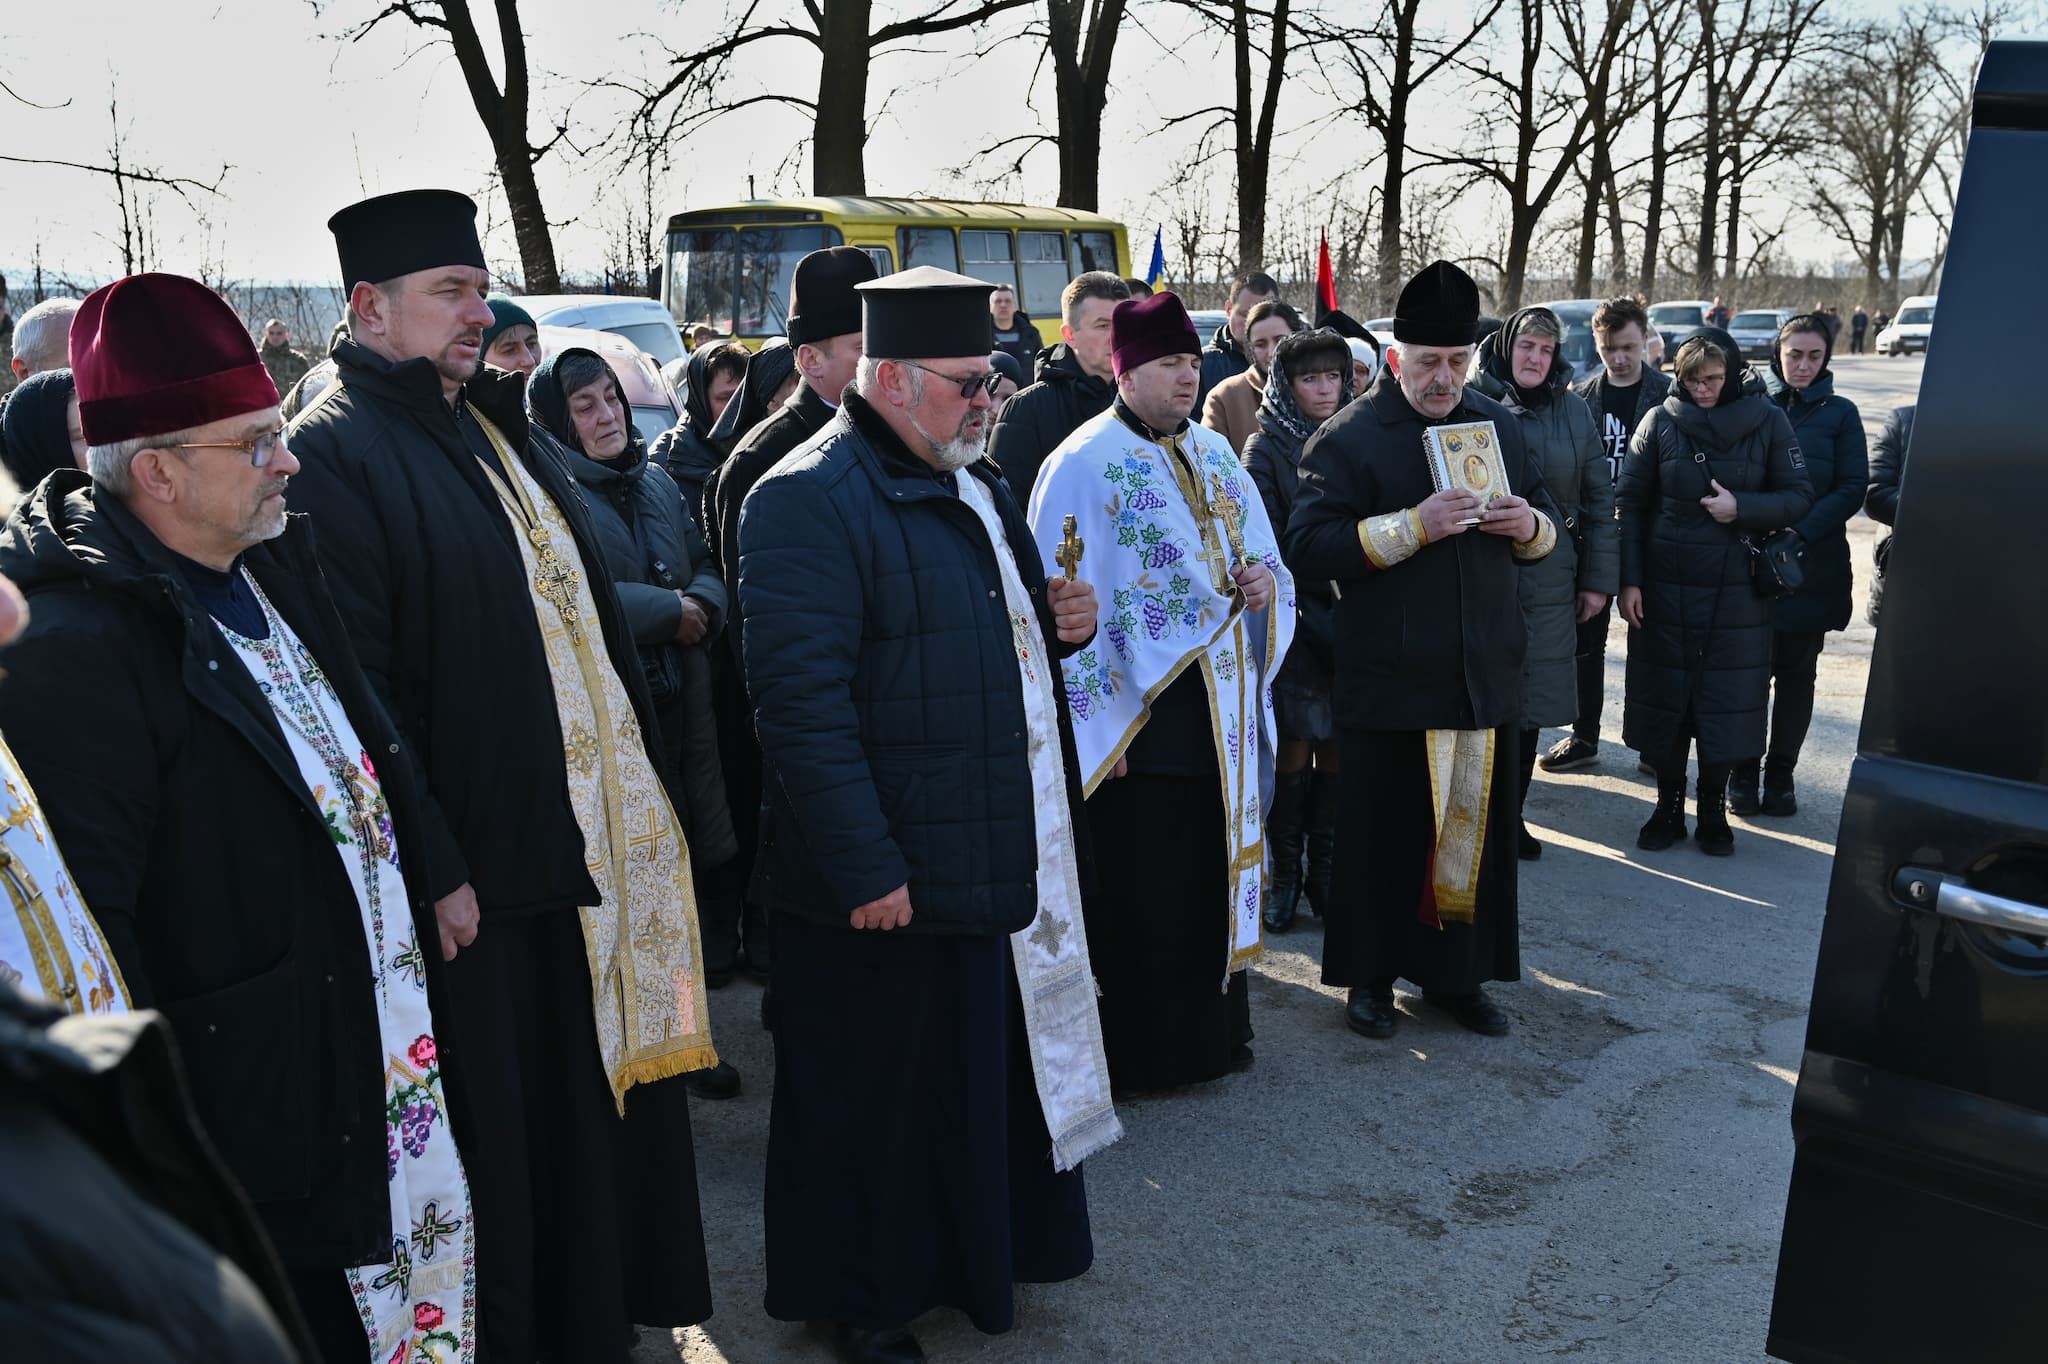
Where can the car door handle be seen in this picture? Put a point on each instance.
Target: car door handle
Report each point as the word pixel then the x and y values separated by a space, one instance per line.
pixel 1954 900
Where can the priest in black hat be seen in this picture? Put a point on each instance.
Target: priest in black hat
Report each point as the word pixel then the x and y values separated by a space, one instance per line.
pixel 466 571
pixel 1428 664
pixel 939 1073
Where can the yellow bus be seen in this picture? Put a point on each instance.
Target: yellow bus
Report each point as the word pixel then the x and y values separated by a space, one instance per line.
pixel 730 266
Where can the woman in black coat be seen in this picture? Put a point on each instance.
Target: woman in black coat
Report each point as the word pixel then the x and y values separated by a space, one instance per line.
pixel 1830 434
pixel 1715 463
pixel 674 603
pixel 39 429
pixel 1308 381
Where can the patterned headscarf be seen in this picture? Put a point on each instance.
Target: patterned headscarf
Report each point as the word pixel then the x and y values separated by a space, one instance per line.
pixel 1278 409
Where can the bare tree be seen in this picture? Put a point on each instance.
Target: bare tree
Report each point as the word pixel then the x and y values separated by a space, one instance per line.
pixel 1081 37
pixel 1597 43
pixel 1966 36
pixel 1675 56
pixel 503 108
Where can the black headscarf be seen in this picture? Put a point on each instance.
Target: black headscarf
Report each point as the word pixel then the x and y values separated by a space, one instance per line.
pixel 549 406
pixel 38 434
pixel 1497 360
pixel 768 369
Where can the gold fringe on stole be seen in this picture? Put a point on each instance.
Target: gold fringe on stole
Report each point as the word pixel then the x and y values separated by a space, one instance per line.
pixel 1539 544
pixel 1388 539
pixel 1460 779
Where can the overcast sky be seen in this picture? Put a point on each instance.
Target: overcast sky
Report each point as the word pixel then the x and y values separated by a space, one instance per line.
pixel 307 124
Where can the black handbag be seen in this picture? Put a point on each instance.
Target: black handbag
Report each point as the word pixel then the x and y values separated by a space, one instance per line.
pixel 1777 563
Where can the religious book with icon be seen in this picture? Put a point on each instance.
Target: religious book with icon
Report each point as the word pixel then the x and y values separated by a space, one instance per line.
pixel 1467 459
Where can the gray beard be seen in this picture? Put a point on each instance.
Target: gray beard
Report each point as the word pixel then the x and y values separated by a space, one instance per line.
pixel 951 455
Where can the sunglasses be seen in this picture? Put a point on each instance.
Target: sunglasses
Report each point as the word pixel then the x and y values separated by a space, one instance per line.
pixel 261 451
pixel 969 384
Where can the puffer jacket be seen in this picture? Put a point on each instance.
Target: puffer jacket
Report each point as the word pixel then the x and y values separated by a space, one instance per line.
pixel 1705 646
pixel 1034 421
pixel 1272 456
pixel 652 549
pixel 1563 436
pixel 1881 504
pixel 880 657
pixel 1830 434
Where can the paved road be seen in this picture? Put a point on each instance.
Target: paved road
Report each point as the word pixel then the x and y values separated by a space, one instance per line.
pixel 1606 1183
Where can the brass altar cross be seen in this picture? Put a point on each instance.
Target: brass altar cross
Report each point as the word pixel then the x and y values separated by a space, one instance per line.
pixel 1068 555
pixel 555 581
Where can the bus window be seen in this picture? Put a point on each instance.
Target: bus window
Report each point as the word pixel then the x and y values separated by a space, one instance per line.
pixel 767 265
pixel 927 246
pixel 1095 251
pixel 700 277
pixel 1042 260
pixel 885 264
pixel 988 255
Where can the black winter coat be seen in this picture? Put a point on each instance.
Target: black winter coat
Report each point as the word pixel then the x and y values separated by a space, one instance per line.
pixel 122 1237
pixel 885 685
pixel 1437 641
pixel 190 832
pixel 1221 358
pixel 1888 466
pixel 685 449
pixel 795 422
pixel 1037 419
pixel 1830 434
pixel 1705 647
pixel 426 570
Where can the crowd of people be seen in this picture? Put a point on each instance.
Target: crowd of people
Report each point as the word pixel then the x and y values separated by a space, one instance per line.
pixel 447 743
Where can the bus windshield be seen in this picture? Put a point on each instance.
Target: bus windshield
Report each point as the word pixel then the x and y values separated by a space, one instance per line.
pixel 738 279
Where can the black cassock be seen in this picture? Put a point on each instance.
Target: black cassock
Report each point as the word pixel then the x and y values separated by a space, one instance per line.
pixel 1432 642
pixel 908 1158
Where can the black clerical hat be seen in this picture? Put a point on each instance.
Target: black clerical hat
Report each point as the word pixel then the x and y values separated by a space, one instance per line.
pixel 822 301
pixel 1439 307
pixel 397 234
pixel 926 314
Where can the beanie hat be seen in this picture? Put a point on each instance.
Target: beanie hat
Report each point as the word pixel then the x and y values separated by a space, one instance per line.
pixel 1142 330
pixel 504 313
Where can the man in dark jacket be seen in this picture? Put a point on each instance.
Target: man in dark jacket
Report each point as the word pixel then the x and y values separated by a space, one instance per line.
pixel 1226 354
pixel 918 853
pixel 469 577
pixel 174 603
pixel 1016 334
pixel 1074 383
pixel 1620 393
pixel 1430 643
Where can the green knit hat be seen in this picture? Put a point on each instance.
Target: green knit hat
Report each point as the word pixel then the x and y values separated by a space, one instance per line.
pixel 505 313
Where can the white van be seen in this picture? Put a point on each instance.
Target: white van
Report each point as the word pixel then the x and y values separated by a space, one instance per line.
pixel 1909 330
pixel 643 321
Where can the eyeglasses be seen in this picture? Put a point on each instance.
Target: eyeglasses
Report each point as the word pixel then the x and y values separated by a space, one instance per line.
pixel 969 385
pixel 261 451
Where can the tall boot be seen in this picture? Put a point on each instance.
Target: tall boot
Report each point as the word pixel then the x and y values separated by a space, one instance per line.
pixel 1742 794
pixel 1322 840
pixel 1666 824
pixel 1284 841
pixel 1715 838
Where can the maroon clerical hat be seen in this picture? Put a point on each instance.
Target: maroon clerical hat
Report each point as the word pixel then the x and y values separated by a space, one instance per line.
pixel 156 354
pixel 1142 330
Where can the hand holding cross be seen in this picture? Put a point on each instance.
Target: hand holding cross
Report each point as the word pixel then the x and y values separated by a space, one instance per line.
pixel 1068 555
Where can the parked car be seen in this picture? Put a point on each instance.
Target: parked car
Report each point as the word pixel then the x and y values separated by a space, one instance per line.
pixel 643 321
pixel 640 383
pixel 1910 329
pixel 1207 320
pixel 1756 331
pixel 1677 319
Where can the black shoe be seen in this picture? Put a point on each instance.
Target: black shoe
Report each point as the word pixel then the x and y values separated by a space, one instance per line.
pixel 718 977
pixel 1742 797
pixel 1715 838
pixel 1569 754
pixel 1526 846
pixel 1666 824
pixel 1478 1013
pixel 1778 796
pixel 1284 837
pixel 1370 1013
pixel 858 1345
pixel 1321 823
pixel 722 1081
pixel 1643 766
pixel 1241 1058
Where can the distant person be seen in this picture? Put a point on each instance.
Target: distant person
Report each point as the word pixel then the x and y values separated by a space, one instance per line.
pixel 512 341
pixel 1016 334
pixel 1013 378
pixel 41 428
pixel 765 385
pixel 1881 502
pixel 1832 318
pixel 1138 287
pixel 1232 410
pixel 703 334
pixel 1715 462
pixel 1523 368
pixel 286 365
pixel 1364 364
pixel 1225 354
pixel 1859 323
pixel 1717 315
pixel 1074 383
pixel 1880 320
pixel 1830 434
pixel 42 338
pixel 1621 393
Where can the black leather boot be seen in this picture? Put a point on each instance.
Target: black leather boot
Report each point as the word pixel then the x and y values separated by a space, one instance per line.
pixel 1666 824
pixel 1284 841
pixel 1715 838
pixel 1742 796
pixel 1778 798
pixel 1322 839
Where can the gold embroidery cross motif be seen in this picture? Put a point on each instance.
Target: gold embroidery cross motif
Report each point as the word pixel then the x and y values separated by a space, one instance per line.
pixel 651 839
pixel 1051 931
pixel 556 582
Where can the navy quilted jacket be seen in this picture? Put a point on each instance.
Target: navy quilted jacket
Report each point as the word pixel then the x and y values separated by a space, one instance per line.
pixel 886 692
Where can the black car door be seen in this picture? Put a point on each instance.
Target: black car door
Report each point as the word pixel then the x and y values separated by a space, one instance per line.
pixel 1917 1223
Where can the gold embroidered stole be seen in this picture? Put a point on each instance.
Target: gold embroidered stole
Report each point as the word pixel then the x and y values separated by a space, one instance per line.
pixel 74 968
pixel 1460 784
pixel 644 956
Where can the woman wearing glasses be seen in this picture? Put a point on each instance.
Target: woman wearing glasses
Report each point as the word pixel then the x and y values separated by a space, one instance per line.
pixel 1715 463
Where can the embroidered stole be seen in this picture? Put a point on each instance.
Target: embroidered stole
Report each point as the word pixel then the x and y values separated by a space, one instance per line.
pixel 644 956
pixel 49 945
pixel 1460 782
